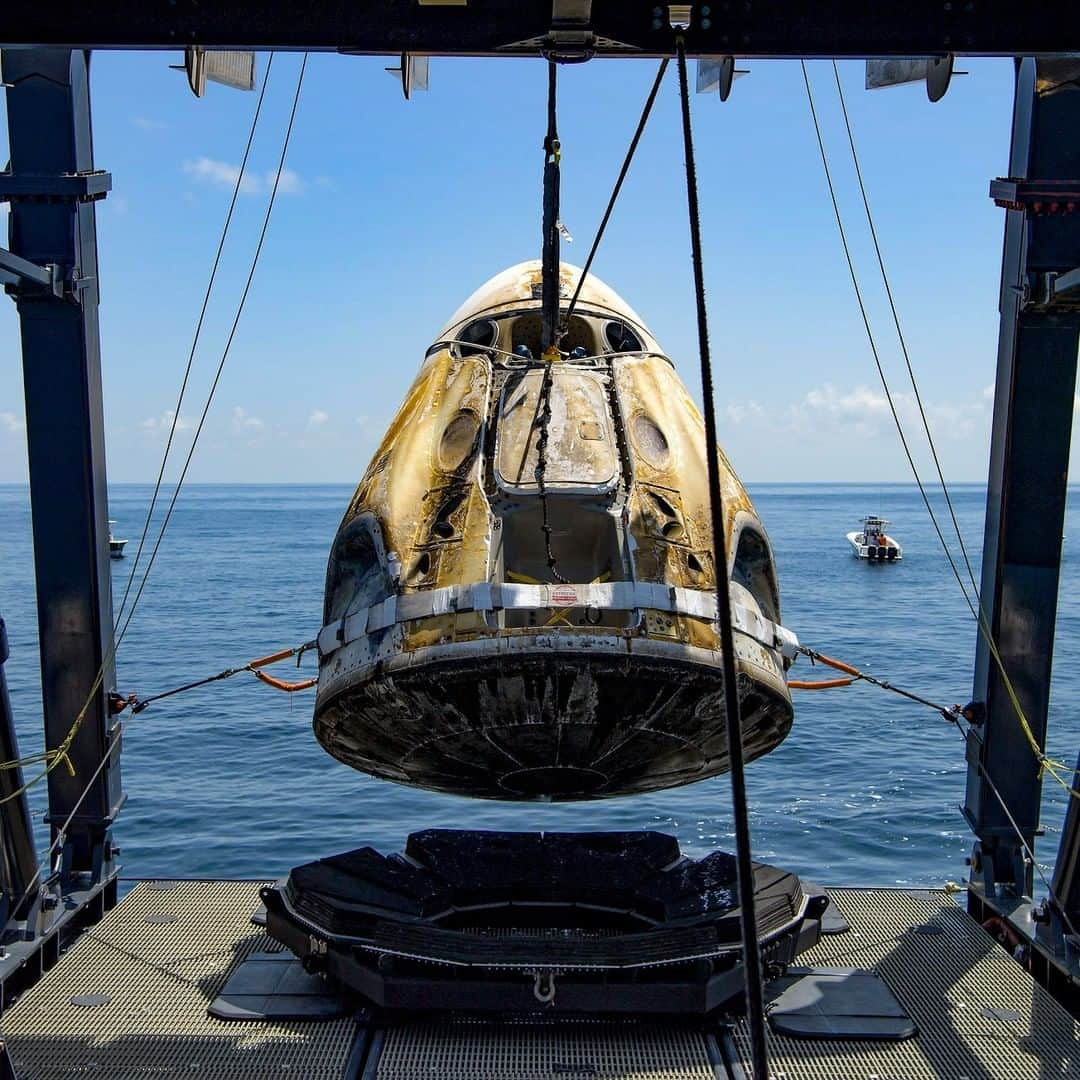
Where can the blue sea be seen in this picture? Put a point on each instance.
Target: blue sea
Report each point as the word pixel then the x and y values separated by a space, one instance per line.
pixel 228 781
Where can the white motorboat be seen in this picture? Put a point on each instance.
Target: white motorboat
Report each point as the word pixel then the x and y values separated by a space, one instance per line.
pixel 871 542
pixel 116 547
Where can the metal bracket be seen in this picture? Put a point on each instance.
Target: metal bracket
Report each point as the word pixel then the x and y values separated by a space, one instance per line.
pixel 571 40
pixel 1054 291
pixel 16 273
pixel 1036 197
pixel 50 187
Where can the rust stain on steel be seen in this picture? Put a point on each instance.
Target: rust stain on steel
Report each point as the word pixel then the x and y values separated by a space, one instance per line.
pixel 554 702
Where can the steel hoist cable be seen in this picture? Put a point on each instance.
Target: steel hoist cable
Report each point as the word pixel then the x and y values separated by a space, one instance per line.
pixel 550 312
pixel 617 189
pixel 195 338
pixel 747 913
pixel 900 333
pixel 60 753
pixel 1050 766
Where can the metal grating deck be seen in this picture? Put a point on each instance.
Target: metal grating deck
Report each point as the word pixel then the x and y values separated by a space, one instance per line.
pixel 980 1015
pixel 535 1051
pixel 159 977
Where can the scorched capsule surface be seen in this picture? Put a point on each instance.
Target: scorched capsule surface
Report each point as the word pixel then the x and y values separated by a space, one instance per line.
pixel 456 657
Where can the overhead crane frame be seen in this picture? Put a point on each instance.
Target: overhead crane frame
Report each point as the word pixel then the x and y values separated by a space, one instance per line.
pixel 51 272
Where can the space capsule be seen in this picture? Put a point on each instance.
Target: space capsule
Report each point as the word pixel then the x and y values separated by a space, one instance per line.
pixel 520 600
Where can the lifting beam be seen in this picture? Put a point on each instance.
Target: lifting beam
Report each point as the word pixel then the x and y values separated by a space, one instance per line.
pixel 1029 462
pixel 51 185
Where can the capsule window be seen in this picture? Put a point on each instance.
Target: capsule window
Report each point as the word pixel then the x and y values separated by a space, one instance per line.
pixel 478 336
pixel 355 577
pixel 620 338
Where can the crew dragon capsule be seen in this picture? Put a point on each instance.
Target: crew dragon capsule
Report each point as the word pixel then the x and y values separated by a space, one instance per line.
pixel 520 600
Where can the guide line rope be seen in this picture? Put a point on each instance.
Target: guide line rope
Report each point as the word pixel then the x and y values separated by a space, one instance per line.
pixel 195 339
pixel 54 757
pixel 953 714
pixel 752 963
pixel 900 332
pixel 1046 764
pixel 550 314
pixel 138 704
pixel 854 675
pixel 617 189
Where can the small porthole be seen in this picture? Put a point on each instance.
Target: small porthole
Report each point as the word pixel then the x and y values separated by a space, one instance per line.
pixel 420 568
pixel 663 505
pixel 650 441
pixel 458 440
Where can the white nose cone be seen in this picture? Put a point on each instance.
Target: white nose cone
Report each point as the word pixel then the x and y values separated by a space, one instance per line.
pixel 522 284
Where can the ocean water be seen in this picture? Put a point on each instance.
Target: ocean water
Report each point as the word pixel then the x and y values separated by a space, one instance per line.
pixel 229 781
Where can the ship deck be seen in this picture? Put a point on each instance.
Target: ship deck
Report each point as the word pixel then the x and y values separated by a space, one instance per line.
pixel 129 1000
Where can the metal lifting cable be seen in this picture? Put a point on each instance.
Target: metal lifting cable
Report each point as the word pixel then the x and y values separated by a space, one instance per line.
pixel 195 337
pixel 60 753
pixel 228 341
pixel 254 666
pixel 549 303
pixel 900 333
pixel 550 254
pixel 618 187
pixel 953 715
pixel 747 915
pixel 1046 764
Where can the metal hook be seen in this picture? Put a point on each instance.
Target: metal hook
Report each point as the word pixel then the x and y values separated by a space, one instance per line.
pixel 544 987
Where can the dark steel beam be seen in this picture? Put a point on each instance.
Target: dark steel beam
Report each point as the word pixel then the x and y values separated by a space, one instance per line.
pixel 18 859
pixel 48 107
pixel 1025 510
pixel 1066 880
pixel 851 28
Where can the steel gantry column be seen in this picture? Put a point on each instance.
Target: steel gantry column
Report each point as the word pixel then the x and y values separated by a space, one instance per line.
pixel 51 185
pixel 1029 460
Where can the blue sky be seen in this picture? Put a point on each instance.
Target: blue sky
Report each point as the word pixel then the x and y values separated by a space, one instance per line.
pixel 392 212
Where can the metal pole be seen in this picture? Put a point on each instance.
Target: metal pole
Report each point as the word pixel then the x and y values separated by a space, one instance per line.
pixel 18 859
pixel 550 261
pixel 1029 459
pixel 1066 882
pixel 52 186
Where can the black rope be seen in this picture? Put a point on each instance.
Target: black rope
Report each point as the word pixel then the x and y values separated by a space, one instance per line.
pixel 550 255
pixel 195 339
pixel 226 350
pixel 618 187
pixel 900 335
pixel 748 916
pixel 228 673
pixel 949 712
pixel 549 304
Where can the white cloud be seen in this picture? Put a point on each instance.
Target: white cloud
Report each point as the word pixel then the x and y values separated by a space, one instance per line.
pixel 243 420
pixel 317 418
pixel 165 421
pixel 289 184
pixel 10 422
pixel 737 412
pixel 208 170
pixel 828 411
pixel 149 124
